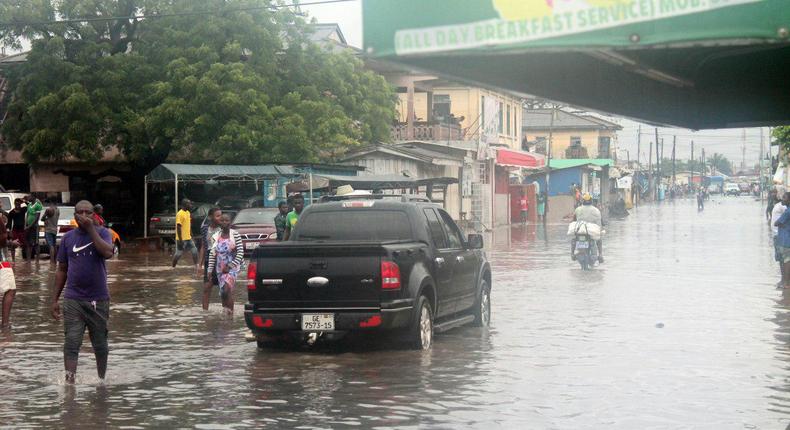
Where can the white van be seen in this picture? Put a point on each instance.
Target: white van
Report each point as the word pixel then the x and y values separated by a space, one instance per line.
pixel 7 200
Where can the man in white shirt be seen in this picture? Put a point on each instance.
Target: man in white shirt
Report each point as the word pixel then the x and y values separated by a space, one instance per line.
pixel 776 213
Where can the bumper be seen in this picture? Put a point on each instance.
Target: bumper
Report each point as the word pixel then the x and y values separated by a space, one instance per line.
pixel 389 316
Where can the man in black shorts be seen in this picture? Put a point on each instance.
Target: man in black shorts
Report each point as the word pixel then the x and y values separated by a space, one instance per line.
pixel 83 272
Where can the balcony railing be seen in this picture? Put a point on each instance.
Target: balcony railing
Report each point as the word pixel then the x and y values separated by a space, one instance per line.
pixel 576 152
pixel 425 131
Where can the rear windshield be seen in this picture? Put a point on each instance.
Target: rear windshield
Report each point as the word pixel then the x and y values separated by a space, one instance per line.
pixel 354 225
pixel 256 216
pixel 66 213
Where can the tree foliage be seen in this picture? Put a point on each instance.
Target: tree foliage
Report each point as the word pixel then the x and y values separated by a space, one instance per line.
pixel 717 161
pixel 243 84
pixel 781 137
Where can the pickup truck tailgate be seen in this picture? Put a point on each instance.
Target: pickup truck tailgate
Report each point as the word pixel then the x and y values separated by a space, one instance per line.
pixel 311 275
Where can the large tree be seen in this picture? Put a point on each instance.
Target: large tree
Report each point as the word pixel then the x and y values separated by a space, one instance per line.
pixel 234 81
pixel 781 136
pixel 720 163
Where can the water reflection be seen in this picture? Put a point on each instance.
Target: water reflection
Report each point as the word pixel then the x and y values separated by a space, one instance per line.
pixel 681 328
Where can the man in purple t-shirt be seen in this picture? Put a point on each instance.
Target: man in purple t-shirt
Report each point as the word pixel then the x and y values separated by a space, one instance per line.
pixel 82 271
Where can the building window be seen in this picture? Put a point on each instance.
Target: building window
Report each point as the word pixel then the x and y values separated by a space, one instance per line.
pixel 441 108
pixel 576 142
pixel 508 121
pixel 515 121
pixel 483 113
pixel 604 147
pixel 501 124
pixel 541 145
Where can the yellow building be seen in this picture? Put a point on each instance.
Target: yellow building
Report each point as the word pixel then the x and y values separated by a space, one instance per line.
pixel 468 108
pixel 573 135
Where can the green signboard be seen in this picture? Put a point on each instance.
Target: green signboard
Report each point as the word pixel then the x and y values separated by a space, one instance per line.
pixel 690 63
pixel 411 27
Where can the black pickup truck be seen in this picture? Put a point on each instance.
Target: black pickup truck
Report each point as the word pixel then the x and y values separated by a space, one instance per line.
pixel 402 267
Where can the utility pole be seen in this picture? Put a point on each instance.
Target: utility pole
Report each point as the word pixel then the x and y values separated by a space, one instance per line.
pixel 674 141
pixel 638 195
pixel 743 151
pixel 650 172
pixel 704 167
pixel 658 161
pixel 691 185
pixel 762 175
pixel 638 146
pixel 548 162
pixel 657 178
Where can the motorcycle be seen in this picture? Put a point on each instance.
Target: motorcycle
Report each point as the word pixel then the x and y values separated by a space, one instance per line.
pixel 586 251
pixel 584 243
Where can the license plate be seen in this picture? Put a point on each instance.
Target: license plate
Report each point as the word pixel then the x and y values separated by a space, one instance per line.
pixel 582 245
pixel 167 232
pixel 251 245
pixel 318 322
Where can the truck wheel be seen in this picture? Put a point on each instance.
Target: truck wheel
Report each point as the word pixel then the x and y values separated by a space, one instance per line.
pixel 482 309
pixel 420 335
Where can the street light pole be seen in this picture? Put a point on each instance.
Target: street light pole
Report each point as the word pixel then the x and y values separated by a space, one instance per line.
pixel 548 162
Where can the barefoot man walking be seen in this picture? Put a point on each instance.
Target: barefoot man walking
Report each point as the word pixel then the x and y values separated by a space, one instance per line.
pixel 86 303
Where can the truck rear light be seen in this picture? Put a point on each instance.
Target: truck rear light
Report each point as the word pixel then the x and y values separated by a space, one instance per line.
pixel 258 321
pixel 390 276
pixel 155 219
pixel 373 321
pixel 252 269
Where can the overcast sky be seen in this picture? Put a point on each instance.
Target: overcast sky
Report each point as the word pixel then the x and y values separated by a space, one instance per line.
pixel 728 142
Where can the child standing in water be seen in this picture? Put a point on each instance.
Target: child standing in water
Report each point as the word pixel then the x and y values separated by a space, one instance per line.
pixel 224 261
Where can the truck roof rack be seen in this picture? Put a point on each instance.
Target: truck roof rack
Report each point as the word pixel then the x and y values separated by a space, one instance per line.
pixel 406 198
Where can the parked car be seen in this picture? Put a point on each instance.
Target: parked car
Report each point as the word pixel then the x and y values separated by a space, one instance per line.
pixel 255 201
pixel 732 189
pixel 256 227
pixel 164 223
pixel 66 223
pixel 7 200
pixel 369 265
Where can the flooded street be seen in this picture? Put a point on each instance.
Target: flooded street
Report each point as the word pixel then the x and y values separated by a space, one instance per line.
pixel 682 327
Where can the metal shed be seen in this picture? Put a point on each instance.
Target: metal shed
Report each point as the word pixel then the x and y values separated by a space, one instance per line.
pixel 176 173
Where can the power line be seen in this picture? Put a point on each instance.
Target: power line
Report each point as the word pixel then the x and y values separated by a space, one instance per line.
pixel 167 15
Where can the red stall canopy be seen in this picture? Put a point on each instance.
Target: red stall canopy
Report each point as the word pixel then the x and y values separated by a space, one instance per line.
pixel 513 158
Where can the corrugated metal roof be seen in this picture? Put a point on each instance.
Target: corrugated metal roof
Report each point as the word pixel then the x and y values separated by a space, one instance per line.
pixel 204 172
pixel 541 119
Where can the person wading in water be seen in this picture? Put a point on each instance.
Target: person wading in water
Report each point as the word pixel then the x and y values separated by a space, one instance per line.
pixel 82 271
pixel 224 261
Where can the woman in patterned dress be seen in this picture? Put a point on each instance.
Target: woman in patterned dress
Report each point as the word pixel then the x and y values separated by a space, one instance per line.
pixel 225 259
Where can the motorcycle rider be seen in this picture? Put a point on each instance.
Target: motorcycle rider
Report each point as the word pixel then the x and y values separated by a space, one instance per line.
pixel 590 214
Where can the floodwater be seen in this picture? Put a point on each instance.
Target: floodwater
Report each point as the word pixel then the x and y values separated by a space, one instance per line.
pixel 682 327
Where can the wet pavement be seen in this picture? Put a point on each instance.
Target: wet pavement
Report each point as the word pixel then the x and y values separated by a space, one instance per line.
pixel 681 328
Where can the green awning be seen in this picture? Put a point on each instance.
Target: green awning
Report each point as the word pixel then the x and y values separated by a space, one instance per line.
pixel 564 164
pixel 690 63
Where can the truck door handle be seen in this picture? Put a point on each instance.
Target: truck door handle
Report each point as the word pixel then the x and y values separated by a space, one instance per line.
pixel 459 259
pixel 439 261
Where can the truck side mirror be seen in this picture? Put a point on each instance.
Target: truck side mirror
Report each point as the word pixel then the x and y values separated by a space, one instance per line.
pixel 474 241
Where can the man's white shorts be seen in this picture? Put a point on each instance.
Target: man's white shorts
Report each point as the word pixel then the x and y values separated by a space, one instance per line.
pixel 7 280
